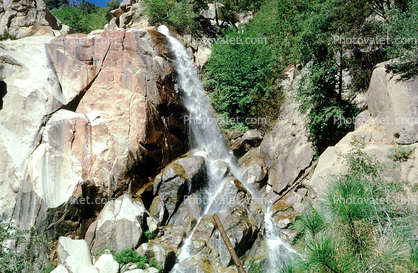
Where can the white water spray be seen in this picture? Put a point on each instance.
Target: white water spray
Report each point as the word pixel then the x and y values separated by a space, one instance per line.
pixel 206 137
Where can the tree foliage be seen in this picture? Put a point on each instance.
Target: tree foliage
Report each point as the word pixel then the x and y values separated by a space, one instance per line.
pixel 85 16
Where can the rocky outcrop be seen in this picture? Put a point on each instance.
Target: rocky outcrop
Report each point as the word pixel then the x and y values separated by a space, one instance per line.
pixel 84 117
pixel 251 138
pixel 23 18
pixel 129 14
pixel 394 101
pixel 120 225
pixel 286 150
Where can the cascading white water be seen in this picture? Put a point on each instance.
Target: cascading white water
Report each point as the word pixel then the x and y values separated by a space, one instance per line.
pixel 206 138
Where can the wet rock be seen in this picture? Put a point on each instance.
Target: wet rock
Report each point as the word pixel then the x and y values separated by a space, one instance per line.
pixel 202 265
pixel 221 169
pixel 252 138
pixel 118 226
pixel 179 178
pixel 254 171
pixel 188 212
pixel 75 256
pixel 241 218
pixel 162 252
pixel 236 134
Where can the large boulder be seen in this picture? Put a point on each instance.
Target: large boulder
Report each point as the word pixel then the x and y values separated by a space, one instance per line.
pixel 394 102
pixel 181 177
pixel 75 256
pixel 23 18
pixel 120 225
pixel 330 162
pixel 64 138
pixel 107 264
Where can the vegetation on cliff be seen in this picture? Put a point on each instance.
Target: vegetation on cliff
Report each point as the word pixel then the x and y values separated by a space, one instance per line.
pixel 339 43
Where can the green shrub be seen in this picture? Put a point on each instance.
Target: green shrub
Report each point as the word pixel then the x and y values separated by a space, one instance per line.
pixel 399 153
pixel 156 264
pixel 142 262
pixel 128 256
pixel 148 234
pixel 85 16
pixel 403 28
pixel 27 251
pixel 181 14
pixel 239 77
pixel 255 268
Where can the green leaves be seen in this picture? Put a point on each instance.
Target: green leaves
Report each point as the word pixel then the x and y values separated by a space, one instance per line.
pixel 84 18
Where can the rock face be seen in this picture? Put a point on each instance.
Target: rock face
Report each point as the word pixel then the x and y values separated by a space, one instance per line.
pixel 129 14
pixel 286 150
pixel 85 116
pixel 394 102
pixel 23 18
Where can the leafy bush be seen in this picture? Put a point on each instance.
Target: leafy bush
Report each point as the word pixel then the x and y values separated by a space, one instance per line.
pixel 127 256
pixel 402 31
pixel 182 14
pixel 23 250
pixel 156 264
pixel 400 153
pixel 239 77
pixel 142 262
pixel 130 256
pixel 85 16
pixel 148 234
pixel 375 236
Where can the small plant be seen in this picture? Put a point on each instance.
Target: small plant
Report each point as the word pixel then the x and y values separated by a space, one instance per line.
pixel 400 153
pixel 130 256
pixel 255 268
pixel 103 249
pixel 127 256
pixel 156 264
pixel 149 234
pixel 25 250
pixel 142 263
pixel 6 36
pixel 48 269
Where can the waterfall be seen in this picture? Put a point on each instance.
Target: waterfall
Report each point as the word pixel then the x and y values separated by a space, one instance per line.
pixel 206 138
